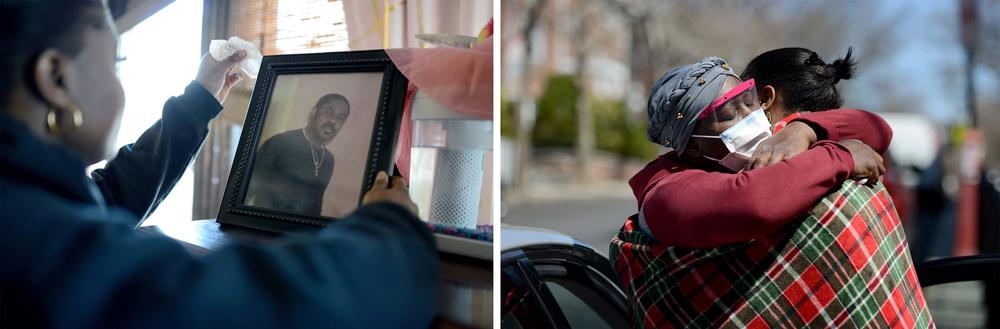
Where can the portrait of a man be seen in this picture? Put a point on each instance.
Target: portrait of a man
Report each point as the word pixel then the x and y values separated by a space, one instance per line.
pixel 294 168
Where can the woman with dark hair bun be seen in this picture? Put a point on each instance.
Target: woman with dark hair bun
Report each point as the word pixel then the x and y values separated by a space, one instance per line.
pixel 798 91
pixel 696 142
pixel 804 80
pixel 742 224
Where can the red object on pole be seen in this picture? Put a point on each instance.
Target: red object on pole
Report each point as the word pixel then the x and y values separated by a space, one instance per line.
pixel 971 151
pixel 967 216
pixel 967 223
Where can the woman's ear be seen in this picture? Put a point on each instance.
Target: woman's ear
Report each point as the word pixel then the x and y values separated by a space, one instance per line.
pixel 771 104
pixel 52 72
pixel 767 97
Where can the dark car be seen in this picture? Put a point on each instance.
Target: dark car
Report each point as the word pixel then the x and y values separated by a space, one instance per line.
pixel 551 280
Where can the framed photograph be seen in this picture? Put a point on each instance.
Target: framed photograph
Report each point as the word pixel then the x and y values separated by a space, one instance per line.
pixel 318 129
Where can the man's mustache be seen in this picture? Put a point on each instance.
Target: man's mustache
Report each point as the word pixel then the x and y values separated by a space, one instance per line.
pixel 331 126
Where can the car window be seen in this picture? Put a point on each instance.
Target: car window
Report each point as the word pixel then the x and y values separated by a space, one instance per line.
pixel 521 307
pixel 520 310
pixel 959 302
pixel 577 312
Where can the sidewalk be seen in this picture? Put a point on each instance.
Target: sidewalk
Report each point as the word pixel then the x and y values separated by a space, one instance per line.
pixel 535 193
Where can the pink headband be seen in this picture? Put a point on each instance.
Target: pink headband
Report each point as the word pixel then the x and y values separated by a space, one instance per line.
pixel 725 98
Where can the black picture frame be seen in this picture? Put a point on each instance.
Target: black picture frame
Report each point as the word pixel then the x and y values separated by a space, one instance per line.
pixel 384 133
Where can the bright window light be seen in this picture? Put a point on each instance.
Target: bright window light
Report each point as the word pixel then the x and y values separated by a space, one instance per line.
pixel 310 26
pixel 163 55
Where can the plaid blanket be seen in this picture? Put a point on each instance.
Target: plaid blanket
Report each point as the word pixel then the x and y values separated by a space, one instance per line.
pixel 846 264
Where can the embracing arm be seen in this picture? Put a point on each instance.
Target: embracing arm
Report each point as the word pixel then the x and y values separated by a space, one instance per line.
pixel 143 173
pixel 834 125
pixel 841 124
pixel 699 209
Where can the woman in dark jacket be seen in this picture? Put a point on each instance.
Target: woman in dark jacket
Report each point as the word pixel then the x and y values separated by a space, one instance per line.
pixel 71 256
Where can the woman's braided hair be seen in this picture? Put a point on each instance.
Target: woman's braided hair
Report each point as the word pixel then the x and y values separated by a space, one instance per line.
pixel 664 98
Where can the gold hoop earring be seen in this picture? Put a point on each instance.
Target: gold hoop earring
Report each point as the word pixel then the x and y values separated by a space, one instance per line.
pixel 52 119
pixel 77 116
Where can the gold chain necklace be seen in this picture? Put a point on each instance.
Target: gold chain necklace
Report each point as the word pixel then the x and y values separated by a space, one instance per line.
pixel 317 158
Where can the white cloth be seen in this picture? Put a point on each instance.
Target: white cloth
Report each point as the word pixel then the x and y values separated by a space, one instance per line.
pixel 222 49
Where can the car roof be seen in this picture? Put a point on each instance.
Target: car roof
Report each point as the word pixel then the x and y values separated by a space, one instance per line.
pixel 516 237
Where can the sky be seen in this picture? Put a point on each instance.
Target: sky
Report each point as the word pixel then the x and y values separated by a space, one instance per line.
pixel 928 66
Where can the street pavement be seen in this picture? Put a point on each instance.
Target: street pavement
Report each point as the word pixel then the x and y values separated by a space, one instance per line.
pixel 594 221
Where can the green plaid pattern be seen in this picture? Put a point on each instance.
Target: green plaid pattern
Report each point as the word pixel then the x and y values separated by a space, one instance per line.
pixel 846 264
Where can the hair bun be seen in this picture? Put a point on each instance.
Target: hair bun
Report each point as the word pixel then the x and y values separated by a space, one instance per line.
pixel 842 68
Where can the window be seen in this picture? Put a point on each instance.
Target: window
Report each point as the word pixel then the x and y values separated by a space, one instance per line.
pixel 309 26
pixel 163 54
pixel 290 26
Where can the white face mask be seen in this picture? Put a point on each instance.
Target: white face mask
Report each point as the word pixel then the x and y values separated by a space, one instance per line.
pixel 742 139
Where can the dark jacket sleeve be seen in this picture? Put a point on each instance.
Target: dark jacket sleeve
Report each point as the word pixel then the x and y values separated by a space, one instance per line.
pixel 377 268
pixel 143 173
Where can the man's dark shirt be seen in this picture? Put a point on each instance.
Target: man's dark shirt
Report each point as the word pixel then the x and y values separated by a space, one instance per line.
pixel 285 177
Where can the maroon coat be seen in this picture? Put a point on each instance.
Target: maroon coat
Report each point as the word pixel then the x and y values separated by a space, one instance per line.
pixel 695 208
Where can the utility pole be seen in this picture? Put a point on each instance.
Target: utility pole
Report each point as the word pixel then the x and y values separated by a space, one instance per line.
pixel 969 18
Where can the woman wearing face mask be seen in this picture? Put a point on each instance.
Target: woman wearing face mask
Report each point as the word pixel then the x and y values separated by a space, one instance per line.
pixel 715 244
pixel 70 254
pixel 715 123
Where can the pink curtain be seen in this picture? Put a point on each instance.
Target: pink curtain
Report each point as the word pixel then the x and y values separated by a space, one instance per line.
pixel 460 79
pixel 382 24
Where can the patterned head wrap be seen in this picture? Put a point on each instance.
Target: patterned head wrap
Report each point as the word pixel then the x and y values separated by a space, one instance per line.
pixel 679 96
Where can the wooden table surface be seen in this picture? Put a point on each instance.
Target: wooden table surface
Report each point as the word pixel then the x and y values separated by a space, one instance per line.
pixel 466 293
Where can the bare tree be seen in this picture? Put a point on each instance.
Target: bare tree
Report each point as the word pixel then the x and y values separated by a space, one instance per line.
pixel 526 102
pixel 989 36
pixel 582 22
pixel 989 56
pixel 640 55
